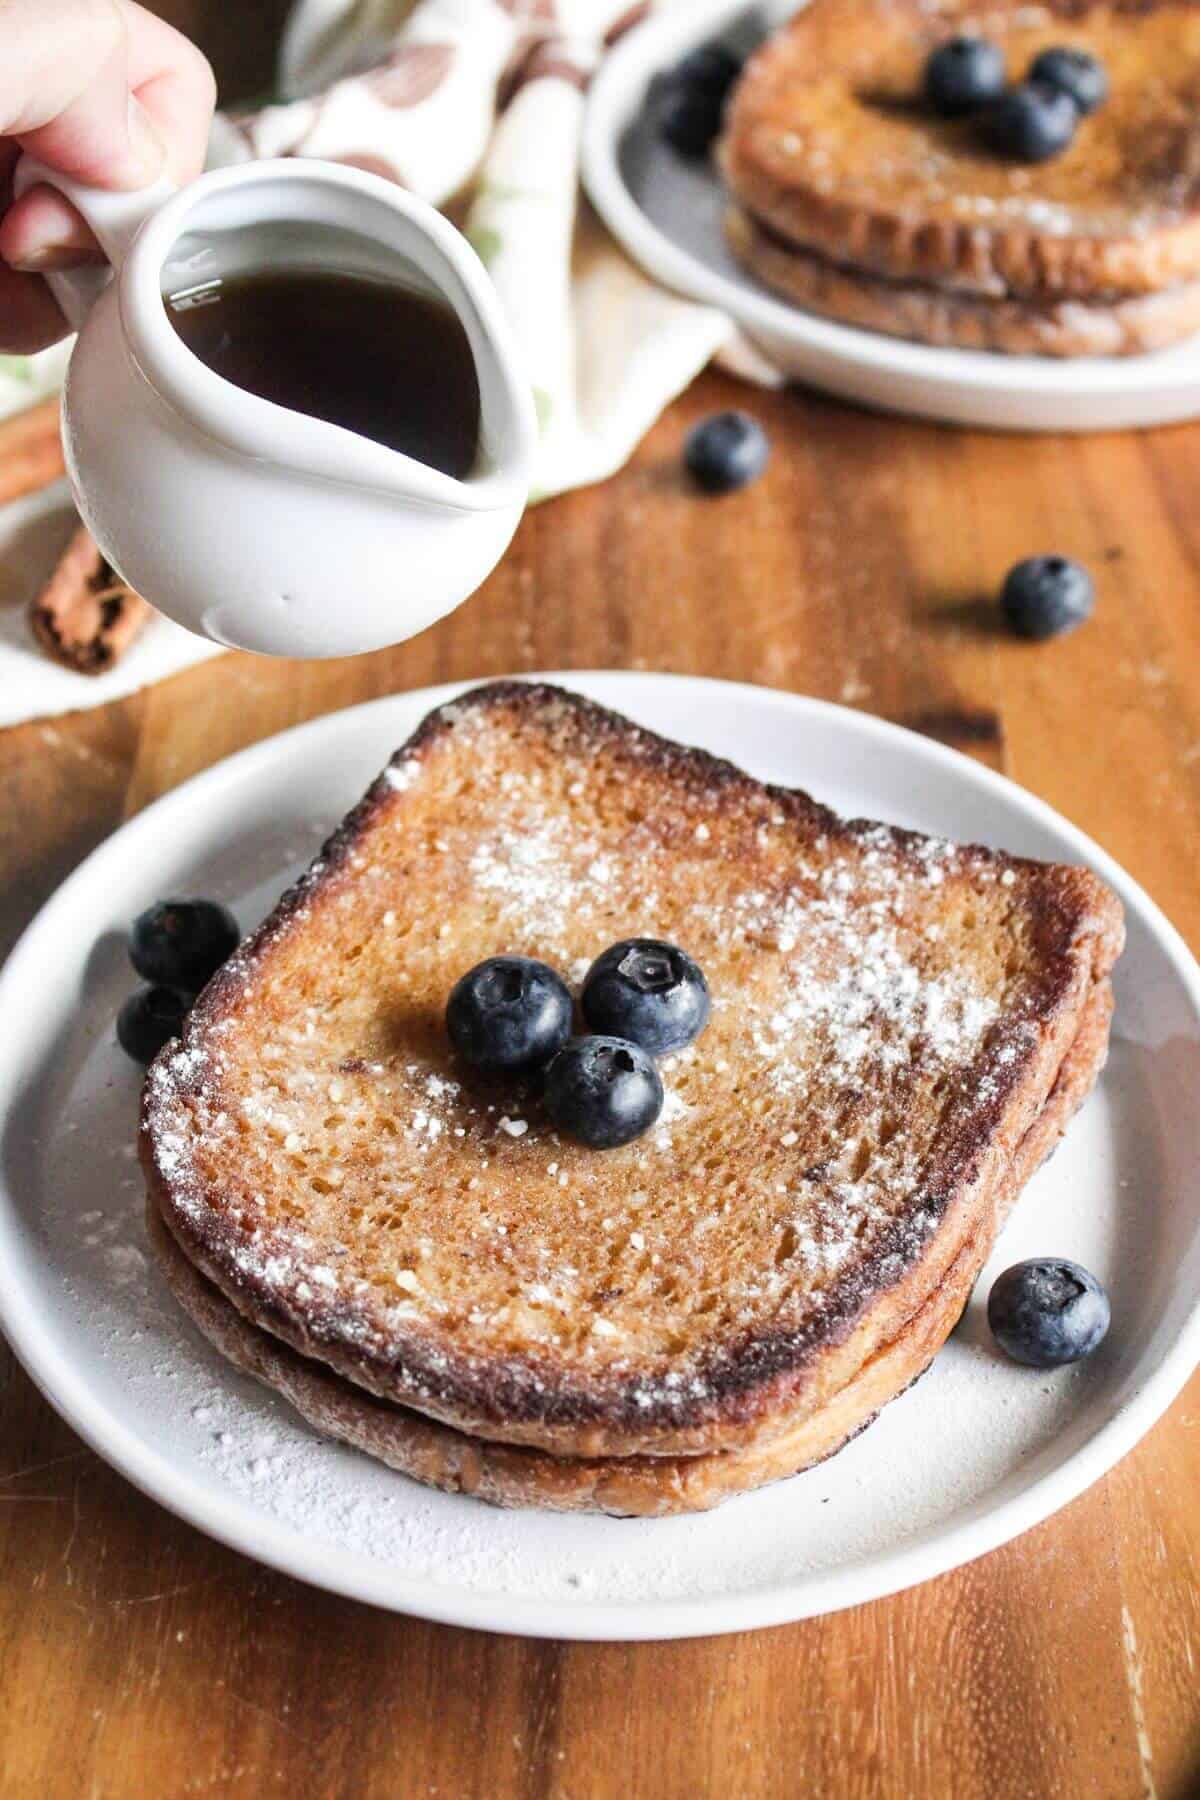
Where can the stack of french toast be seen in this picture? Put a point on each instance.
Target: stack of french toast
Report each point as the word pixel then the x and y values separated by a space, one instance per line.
pixel 1058 216
pixel 901 1029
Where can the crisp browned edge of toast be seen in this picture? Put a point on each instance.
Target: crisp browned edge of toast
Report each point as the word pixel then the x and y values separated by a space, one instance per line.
pixel 952 319
pixel 519 1475
pixel 530 1398
pixel 980 255
pixel 503 1474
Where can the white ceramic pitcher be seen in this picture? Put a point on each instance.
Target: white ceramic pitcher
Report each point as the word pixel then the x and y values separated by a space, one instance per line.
pixel 259 527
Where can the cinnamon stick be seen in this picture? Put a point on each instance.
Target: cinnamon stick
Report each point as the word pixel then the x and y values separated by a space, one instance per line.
pixel 30 451
pixel 85 616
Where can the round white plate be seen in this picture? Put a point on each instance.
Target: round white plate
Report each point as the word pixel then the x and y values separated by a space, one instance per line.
pixel 976 1452
pixel 667 214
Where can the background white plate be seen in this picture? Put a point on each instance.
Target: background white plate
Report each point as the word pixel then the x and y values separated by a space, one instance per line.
pixel 976 1452
pixel 667 214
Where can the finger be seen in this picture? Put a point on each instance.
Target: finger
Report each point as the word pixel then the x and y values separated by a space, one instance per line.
pixel 104 137
pixel 169 95
pixel 29 316
pixel 175 87
pixel 41 231
pixel 65 93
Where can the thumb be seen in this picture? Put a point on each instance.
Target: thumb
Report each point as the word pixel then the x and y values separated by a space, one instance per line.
pixel 83 119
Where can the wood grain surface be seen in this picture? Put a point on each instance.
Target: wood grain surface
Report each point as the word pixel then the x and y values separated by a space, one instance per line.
pixel 138 1658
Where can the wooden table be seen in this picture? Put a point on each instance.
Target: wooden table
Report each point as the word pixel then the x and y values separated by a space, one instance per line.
pixel 138 1658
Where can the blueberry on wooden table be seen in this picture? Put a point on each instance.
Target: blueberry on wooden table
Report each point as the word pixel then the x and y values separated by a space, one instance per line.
pixel 726 452
pixel 1045 596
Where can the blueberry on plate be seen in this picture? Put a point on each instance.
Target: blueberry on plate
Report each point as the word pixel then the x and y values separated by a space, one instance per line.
pixel 1046 595
pixel 509 1012
pixel 726 452
pixel 964 75
pixel 1031 122
pixel 712 69
pixel 1047 1312
pixel 149 1019
pixel 651 993
pixel 690 120
pixel 1074 72
pixel 604 1091
pixel 182 943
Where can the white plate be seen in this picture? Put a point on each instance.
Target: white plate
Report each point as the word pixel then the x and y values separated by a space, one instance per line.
pixel 667 214
pixel 976 1452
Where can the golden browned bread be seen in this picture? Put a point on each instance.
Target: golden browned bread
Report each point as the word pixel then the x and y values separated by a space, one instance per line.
pixel 1062 326
pixel 890 1014
pixel 826 141
pixel 646 1486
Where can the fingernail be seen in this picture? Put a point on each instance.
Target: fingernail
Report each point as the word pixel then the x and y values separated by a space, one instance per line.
pixel 144 141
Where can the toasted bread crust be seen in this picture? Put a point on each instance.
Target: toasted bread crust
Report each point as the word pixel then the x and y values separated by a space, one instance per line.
pixel 746 1384
pixel 826 142
pixel 507 1475
pixel 1062 327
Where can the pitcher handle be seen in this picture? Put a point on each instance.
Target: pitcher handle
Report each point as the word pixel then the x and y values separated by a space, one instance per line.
pixel 115 218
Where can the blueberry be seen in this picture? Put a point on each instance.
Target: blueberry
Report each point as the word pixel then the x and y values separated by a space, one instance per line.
pixel 1048 1312
pixel 650 993
pixel 709 70
pixel 182 943
pixel 1031 123
pixel 149 1019
pixel 1073 72
pixel 1047 595
pixel 690 120
pixel 726 452
pixel 964 75
pixel 509 1012
pixel 604 1091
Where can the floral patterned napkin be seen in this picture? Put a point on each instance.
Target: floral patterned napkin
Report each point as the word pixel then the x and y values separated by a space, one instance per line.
pixel 477 105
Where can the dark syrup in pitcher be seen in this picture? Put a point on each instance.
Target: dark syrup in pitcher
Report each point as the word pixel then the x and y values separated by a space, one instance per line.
pixel 384 361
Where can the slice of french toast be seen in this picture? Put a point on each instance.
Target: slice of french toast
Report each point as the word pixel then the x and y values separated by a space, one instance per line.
pixel 891 1013
pixel 827 142
pixel 641 1486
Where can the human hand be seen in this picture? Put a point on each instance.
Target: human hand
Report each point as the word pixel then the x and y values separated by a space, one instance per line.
pixel 105 93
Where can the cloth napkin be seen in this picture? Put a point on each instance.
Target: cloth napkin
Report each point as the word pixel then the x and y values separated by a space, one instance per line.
pixel 477 105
